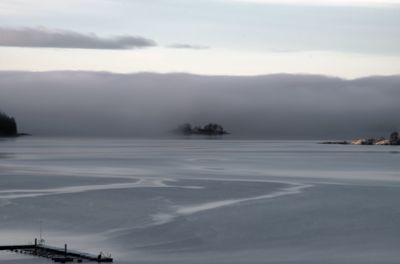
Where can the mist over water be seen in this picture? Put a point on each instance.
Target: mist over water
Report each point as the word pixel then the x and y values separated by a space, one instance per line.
pixel 151 105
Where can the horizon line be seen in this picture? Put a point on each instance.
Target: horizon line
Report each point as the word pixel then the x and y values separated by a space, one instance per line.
pixel 202 75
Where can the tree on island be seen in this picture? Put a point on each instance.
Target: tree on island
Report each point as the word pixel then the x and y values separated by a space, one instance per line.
pixel 211 129
pixel 394 138
pixel 8 126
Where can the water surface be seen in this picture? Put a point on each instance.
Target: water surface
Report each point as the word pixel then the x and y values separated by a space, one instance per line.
pixel 202 201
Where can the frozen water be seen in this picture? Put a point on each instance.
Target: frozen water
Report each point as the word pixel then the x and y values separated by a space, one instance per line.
pixel 202 201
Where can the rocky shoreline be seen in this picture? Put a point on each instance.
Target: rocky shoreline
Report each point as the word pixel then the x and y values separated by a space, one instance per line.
pixel 394 140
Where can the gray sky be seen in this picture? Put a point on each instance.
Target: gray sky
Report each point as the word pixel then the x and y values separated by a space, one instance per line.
pixel 237 37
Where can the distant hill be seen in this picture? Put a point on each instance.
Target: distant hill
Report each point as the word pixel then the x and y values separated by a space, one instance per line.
pixel 8 126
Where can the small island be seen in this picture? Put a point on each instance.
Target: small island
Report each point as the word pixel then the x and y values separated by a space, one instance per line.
pixel 394 140
pixel 211 129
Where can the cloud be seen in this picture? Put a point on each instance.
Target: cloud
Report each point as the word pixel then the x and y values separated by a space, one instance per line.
pixel 327 2
pixel 187 46
pixel 45 38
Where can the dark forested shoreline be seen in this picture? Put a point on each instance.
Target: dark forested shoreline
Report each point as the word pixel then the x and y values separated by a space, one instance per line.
pixel 8 126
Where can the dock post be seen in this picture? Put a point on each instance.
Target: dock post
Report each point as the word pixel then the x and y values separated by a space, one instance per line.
pixel 65 250
pixel 35 246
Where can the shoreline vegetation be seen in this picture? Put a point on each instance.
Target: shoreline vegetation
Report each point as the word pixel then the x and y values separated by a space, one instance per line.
pixel 211 129
pixel 394 140
pixel 8 127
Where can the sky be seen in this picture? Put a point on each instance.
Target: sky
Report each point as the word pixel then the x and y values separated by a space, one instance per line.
pixel 345 38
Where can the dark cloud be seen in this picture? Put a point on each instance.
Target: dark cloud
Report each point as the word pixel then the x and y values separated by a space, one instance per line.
pixel 187 46
pixel 270 106
pixel 45 38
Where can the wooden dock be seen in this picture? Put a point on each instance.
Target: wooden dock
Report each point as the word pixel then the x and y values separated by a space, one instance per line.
pixel 56 254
